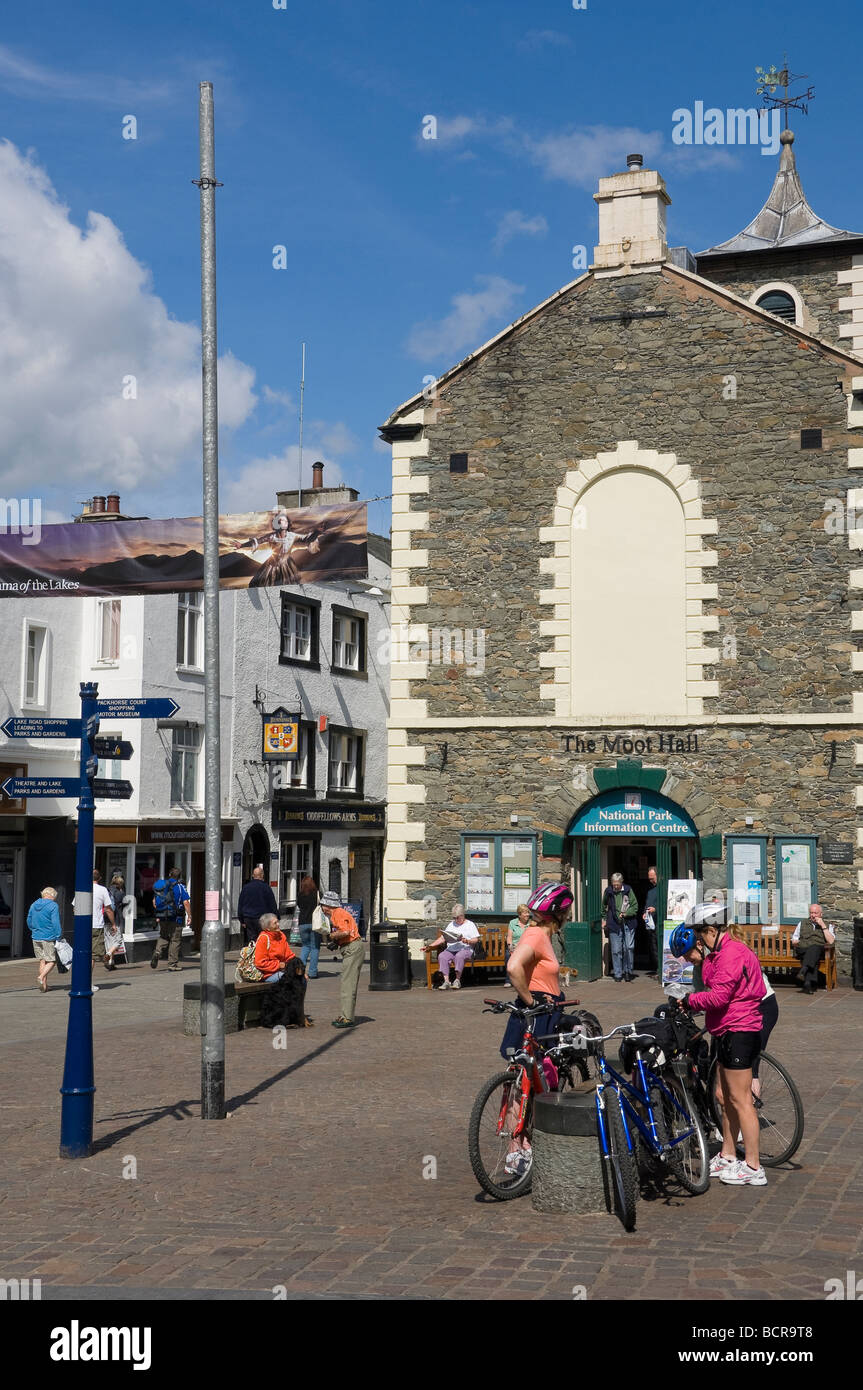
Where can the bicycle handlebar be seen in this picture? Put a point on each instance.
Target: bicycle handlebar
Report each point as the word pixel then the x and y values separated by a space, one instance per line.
pixel 499 1006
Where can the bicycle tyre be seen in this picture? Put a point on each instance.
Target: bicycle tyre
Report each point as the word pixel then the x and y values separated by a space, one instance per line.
pixel 619 1172
pixel 779 1138
pixel 492 1176
pixel 688 1162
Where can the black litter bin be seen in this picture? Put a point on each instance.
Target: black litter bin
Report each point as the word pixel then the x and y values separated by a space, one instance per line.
pixel 389 963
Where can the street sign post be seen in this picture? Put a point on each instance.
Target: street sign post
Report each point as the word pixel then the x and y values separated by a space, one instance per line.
pixel 136 709
pixel 18 787
pixel 79 1087
pixel 111 789
pixel 114 748
pixel 27 726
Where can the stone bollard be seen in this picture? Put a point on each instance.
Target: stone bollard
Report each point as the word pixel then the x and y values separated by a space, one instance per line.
pixel 192 1008
pixel 567 1174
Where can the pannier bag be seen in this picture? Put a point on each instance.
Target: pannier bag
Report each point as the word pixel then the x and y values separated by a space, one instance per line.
pixel 656 1053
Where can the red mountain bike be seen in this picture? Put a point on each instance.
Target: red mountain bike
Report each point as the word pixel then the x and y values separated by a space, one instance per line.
pixel 500 1132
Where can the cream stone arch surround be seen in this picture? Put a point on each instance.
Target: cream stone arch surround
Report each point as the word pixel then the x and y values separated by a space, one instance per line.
pixel 628 455
pixel 802 317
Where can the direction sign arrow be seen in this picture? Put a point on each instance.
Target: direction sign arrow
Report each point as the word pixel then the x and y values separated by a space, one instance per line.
pixel 26 726
pixel 111 788
pixel 136 709
pixel 18 787
pixel 112 748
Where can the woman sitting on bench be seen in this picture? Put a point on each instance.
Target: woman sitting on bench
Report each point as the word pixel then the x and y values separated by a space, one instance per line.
pixel 272 951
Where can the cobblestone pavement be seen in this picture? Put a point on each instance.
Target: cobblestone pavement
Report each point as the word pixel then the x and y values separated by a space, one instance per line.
pixel 315 1181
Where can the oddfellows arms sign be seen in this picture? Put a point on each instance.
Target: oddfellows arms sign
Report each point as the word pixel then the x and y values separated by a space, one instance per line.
pixel 307 544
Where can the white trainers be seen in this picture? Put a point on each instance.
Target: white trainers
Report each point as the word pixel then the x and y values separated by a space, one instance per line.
pixel 456 984
pixel 95 989
pixel 741 1175
pixel 444 984
pixel 518 1163
pixel 719 1163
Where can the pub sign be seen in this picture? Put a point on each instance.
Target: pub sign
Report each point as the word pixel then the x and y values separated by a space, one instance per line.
pixel 281 736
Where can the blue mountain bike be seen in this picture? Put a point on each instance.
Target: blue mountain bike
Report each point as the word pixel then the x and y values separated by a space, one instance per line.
pixel 648 1120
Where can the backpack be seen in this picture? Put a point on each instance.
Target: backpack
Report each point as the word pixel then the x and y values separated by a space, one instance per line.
pixel 164 899
pixel 666 1043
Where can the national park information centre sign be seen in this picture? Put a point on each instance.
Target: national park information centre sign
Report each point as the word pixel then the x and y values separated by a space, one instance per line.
pixel 632 813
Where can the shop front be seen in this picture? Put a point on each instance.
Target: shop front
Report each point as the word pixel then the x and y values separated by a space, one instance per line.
pixel 629 830
pixel 339 844
pixel 142 854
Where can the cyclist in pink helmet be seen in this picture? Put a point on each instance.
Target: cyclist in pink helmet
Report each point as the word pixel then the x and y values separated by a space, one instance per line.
pixel 535 974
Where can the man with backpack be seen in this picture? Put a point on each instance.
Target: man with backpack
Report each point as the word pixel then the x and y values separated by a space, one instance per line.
pixel 173 911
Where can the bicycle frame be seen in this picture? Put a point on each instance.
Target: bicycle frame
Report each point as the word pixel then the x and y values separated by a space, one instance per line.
pixel 533 1080
pixel 641 1094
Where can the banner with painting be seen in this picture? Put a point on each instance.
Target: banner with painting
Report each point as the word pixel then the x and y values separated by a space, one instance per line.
pixel 256 549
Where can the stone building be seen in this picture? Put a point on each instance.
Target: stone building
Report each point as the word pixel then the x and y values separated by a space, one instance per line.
pixel 638 502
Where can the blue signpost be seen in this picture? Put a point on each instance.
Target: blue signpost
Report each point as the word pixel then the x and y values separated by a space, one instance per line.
pixel 79 1087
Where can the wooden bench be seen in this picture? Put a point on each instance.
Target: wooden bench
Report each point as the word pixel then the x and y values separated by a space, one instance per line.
pixel 494 941
pixel 775 952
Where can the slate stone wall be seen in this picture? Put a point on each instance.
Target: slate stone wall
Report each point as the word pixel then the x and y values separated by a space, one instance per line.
pixel 564 388
pixel 816 280
pixel 790 780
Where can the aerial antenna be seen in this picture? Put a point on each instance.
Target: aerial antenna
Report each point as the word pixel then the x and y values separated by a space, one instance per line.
pixel 771 79
pixel 302 394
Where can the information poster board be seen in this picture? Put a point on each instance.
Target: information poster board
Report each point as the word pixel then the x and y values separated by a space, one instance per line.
pixel 747 883
pixel 675 972
pixel 683 894
pixel 479 876
pixel 797 879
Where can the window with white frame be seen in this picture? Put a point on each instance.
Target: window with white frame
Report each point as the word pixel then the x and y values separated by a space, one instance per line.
pixel 296 773
pixel 345 761
pixel 348 642
pixel 185 750
pixel 297 631
pixel 190 625
pixel 296 862
pixel 35 692
pixel 108 631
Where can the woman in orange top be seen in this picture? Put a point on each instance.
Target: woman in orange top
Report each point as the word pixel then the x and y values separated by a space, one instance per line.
pixel 272 951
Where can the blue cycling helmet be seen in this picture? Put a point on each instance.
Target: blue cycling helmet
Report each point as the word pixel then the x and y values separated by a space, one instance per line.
pixel 682 939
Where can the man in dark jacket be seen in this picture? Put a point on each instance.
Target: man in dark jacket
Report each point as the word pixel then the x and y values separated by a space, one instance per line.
pixel 619 909
pixel 256 898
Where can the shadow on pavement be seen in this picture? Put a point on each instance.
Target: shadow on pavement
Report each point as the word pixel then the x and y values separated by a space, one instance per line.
pixel 188 1109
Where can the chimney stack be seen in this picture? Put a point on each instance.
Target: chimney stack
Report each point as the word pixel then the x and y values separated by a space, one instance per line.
pixel 98 504
pixel 632 236
pixel 317 476
pixel 113 504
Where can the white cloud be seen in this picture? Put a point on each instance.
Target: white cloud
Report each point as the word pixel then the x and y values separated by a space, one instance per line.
pixel 452 130
pixel 466 327
pixel 542 38
pixel 282 398
pixel 254 486
pixel 19 74
pixel 514 224
pixel 78 315
pixel 582 157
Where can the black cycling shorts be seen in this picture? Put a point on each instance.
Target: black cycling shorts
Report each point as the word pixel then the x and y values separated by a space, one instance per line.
pixel 738 1051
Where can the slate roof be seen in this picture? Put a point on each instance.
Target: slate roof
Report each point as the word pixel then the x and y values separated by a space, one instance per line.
pixel 786 219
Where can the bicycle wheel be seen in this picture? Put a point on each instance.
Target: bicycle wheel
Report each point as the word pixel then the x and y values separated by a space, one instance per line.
pixel 490 1133
pixel 780 1111
pixel 619 1173
pixel 675 1112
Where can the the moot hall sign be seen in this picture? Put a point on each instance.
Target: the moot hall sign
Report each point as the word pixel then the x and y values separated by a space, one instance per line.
pixel 632 813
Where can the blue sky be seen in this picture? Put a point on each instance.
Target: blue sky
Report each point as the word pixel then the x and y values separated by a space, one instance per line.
pixel 402 253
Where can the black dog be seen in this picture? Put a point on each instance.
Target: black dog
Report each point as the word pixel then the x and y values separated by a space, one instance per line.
pixel 282 1004
pixel 437 979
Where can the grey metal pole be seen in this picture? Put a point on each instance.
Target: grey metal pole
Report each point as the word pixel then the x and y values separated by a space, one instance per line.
pixel 212 937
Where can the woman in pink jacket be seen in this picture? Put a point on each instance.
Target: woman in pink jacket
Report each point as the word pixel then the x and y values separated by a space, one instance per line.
pixel 731 999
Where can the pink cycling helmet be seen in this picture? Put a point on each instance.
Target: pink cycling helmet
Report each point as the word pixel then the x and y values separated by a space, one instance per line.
pixel 554 898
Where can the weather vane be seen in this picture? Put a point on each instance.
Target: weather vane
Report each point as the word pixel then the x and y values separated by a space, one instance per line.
pixel 773 78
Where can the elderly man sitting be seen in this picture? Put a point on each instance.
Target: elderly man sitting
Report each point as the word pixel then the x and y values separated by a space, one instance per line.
pixel 810 941
pixel 458 940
